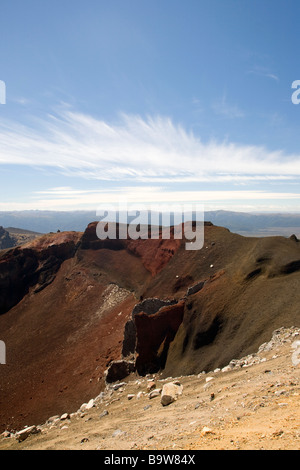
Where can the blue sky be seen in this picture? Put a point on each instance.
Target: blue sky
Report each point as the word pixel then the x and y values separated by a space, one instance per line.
pixel 164 101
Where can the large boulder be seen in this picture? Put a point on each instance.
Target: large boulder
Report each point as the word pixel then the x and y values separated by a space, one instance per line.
pixel 170 393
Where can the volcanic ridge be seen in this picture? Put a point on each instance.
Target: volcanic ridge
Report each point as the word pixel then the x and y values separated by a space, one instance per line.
pixel 78 313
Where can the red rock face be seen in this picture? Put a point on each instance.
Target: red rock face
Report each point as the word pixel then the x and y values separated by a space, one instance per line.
pixel 154 335
pixel 33 265
pixel 154 254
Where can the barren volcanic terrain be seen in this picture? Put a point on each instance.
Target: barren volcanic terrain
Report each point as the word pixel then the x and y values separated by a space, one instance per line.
pixel 78 313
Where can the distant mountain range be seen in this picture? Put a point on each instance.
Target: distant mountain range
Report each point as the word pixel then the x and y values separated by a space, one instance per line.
pixel 249 224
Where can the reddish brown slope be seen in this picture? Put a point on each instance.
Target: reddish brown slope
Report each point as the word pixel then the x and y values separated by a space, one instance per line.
pixel 73 294
pixel 65 300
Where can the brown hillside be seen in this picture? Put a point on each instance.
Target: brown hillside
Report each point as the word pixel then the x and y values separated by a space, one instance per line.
pixel 66 299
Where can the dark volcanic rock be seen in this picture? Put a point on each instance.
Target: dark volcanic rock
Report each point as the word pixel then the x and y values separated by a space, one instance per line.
pixel 34 266
pixel 154 335
pixel 148 307
pixel 5 240
pixel 118 370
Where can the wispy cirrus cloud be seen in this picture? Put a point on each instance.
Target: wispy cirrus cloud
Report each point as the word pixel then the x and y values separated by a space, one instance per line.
pixel 263 72
pixel 146 150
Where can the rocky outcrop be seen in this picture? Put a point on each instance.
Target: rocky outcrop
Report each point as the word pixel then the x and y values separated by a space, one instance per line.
pixel 118 370
pixel 148 307
pixel 5 240
pixel 155 254
pixel 195 288
pixel 154 335
pixel 33 266
pixel 147 336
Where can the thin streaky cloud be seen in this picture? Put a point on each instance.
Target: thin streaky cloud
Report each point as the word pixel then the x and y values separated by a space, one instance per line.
pixel 263 72
pixel 152 149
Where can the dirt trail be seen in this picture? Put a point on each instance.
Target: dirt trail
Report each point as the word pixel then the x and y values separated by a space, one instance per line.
pixel 253 405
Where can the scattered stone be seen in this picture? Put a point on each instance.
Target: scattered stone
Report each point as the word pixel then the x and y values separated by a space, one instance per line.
pixel 118 385
pixel 196 288
pixel 277 433
pixel 6 434
pixel 65 416
pixel 206 430
pixel 25 433
pixel 117 433
pixel 53 419
pixel 208 379
pixel 100 397
pixel 130 396
pixel 151 386
pixel 90 404
pixel 280 392
pixel 227 368
pixel 170 393
pixel 155 393
pixel 104 413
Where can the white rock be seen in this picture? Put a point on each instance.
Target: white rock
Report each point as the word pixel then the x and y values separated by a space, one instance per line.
pixel 22 435
pixel 90 404
pixel 170 393
pixel 53 419
pixel 206 430
pixel 119 385
pixel 155 393
pixel 226 369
